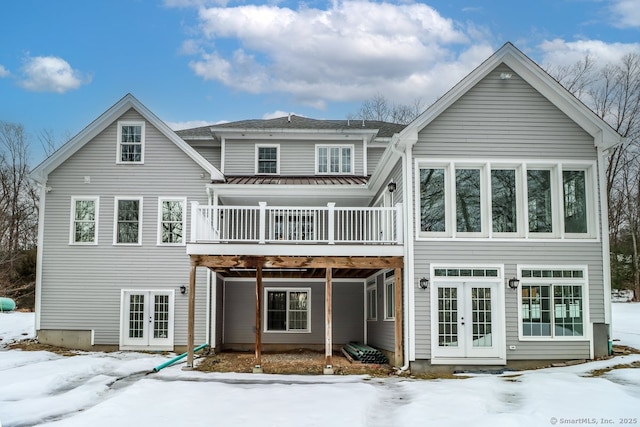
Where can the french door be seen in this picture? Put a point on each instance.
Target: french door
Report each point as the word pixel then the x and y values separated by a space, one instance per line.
pixel 147 320
pixel 467 322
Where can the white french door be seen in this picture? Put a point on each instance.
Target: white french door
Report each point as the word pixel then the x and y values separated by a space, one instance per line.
pixel 467 322
pixel 147 320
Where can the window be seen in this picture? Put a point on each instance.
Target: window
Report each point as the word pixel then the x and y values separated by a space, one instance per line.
pixel 389 297
pixel 504 204
pixel 84 220
pixel 334 159
pixel 128 221
pixel 171 221
pixel 288 310
pixel 372 300
pixel 267 159
pixel 297 226
pixel 504 199
pixel 130 142
pixel 552 303
pixel 575 201
pixel 540 201
pixel 432 200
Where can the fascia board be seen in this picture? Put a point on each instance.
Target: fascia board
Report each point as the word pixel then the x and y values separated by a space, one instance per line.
pixel 323 134
pixel 41 172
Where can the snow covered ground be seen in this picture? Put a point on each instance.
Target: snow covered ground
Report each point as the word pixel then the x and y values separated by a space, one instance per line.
pixel 116 389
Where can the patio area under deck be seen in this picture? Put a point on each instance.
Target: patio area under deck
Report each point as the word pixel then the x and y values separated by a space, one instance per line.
pixel 331 265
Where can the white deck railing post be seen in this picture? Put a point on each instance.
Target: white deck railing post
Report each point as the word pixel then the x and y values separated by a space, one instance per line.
pixel 194 221
pixel 262 221
pixel 399 224
pixel 331 212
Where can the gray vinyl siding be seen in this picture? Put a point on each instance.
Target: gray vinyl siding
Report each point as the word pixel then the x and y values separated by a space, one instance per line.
pixel 211 153
pixel 373 158
pixel 381 332
pixel 507 119
pixel 348 313
pixel 81 284
pixel 511 254
pixel 296 157
pixel 504 119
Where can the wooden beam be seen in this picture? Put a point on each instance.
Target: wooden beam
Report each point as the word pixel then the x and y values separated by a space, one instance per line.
pixel 399 316
pixel 243 261
pixel 191 315
pixel 258 359
pixel 328 329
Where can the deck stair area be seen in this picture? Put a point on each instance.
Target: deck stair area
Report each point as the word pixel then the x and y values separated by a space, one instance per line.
pixel 359 353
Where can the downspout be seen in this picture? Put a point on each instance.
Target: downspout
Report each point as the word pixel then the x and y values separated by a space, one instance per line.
pixel 407 250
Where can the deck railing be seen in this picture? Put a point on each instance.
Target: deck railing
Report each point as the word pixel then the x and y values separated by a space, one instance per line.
pixel 279 224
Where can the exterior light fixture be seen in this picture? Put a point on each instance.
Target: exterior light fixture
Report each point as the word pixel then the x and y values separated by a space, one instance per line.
pixel 391 187
pixel 423 283
pixel 513 283
pixel 183 289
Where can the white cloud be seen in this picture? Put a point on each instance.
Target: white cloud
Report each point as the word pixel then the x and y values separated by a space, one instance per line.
pixel 276 114
pixel 50 74
pixel 561 53
pixel 4 72
pixel 190 124
pixel 626 13
pixel 352 50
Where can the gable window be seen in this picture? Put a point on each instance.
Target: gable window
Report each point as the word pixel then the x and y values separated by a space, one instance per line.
pixel 334 159
pixel 372 300
pixel 171 221
pixel 128 223
pixel 131 137
pixel 505 199
pixel 288 310
pixel 389 296
pixel 84 220
pixel 552 303
pixel 267 159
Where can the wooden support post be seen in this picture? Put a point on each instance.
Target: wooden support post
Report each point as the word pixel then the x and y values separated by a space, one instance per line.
pixel 399 316
pixel 328 330
pixel 257 368
pixel 191 314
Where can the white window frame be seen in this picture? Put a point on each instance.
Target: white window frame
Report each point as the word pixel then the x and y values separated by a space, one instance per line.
pixel 72 224
pixel 287 290
pixel 389 282
pixel 257 161
pixel 122 123
pixel 372 296
pixel 341 147
pixel 115 220
pixel 183 203
pixel 522 208
pixel 553 281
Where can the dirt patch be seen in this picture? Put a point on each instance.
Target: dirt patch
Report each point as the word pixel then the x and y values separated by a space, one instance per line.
pixel 300 362
pixel 34 345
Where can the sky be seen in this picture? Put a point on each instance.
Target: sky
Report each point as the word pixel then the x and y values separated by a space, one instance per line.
pixel 196 62
pixel 115 389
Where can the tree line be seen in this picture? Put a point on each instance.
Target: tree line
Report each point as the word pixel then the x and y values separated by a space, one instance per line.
pixel 612 91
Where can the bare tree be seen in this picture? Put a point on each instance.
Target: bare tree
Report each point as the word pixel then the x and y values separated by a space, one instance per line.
pixel 379 108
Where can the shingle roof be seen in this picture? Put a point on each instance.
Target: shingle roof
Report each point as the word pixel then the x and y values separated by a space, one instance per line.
pixel 296 180
pixel 385 129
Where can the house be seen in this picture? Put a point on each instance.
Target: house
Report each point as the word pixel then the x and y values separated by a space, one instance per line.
pixel 476 235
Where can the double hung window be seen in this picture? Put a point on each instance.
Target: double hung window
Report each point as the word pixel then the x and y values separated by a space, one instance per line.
pixel 171 221
pixel 288 310
pixel 128 221
pixel 84 220
pixel 267 159
pixel 131 137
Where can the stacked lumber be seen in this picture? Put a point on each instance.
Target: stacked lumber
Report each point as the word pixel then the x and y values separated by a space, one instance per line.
pixel 356 352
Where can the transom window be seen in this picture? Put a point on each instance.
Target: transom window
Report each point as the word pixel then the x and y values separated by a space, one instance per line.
pixel 171 221
pixel 267 159
pixel 131 137
pixel 288 310
pixel 128 223
pixel 84 220
pixel 552 303
pixel 506 200
pixel 334 159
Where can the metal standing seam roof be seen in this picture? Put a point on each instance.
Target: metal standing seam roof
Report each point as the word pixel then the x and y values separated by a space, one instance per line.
pixel 385 129
pixel 294 180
